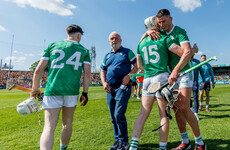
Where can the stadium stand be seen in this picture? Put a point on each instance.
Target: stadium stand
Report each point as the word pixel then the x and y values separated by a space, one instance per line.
pixel 24 78
pixel 221 73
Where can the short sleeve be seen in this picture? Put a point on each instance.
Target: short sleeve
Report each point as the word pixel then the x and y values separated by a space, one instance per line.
pixel 87 58
pixel 132 57
pixel 182 35
pixel 46 54
pixel 103 64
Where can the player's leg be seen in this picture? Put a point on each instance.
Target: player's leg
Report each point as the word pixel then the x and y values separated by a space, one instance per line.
pixel 69 105
pixel 146 107
pixel 52 106
pixel 207 100
pixel 51 119
pixel 195 97
pixel 67 119
pixel 133 89
pixel 201 97
pixel 164 130
pixel 138 90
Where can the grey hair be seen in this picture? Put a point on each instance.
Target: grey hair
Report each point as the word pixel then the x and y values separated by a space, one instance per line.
pixel 114 32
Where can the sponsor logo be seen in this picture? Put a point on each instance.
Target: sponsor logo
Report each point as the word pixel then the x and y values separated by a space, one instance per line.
pixel 172 37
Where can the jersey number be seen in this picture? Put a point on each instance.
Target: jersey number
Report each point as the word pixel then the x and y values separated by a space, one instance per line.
pixel 151 52
pixel 69 61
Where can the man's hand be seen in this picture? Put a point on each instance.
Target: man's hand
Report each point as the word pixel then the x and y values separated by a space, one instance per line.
pixel 84 99
pixel 126 80
pixel 35 93
pixel 153 34
pixel 213 86
pixel 106 87
pixel 173 77
pixel 195 49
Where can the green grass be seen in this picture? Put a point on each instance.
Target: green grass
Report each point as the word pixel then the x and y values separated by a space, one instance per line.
pixel 92 128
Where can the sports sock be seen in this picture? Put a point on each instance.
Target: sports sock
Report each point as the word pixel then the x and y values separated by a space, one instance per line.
pixel 206 106
pixel 63 147
pixel 199 140
pixel 134 143
pixel 162 146
pixel 184 137
pixel 201 104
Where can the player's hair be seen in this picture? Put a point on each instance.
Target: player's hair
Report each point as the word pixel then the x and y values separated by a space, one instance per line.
pixel 74 29
pixel 203 55
pixel 163 12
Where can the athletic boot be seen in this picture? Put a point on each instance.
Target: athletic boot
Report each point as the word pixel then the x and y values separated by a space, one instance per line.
pixel 200 147
pixel 200 108
pixel 123 145
pixel 183 146
pixel 115 145
pixel 207 109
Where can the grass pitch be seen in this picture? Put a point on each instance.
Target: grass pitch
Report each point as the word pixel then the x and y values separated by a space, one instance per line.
pixel 92 128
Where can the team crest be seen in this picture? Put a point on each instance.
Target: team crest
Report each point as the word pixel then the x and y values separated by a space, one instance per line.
pixel 172 37
pixel 121 53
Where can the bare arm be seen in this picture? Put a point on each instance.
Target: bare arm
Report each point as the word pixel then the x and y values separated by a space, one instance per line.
pixel 185 58
pixel 140 63
pixel 86 82
pixel 104 82
pixel 86 77
pixel 176 49
pixel 127 77
pixel 37 76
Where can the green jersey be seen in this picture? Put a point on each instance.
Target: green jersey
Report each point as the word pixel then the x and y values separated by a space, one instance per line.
pixel 155 55
pixel 66 59
pixel 179 35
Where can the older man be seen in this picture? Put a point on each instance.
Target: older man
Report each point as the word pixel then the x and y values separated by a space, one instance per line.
pixel 115 76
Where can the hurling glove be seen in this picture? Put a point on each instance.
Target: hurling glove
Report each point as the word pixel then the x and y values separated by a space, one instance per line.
pixel 84 98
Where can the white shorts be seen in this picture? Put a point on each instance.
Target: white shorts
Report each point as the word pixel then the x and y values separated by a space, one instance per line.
pixel 59 101
pixel 185 80
pixel 158 78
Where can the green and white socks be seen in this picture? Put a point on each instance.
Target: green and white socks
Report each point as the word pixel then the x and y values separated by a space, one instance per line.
pixel 199 140
pixel 63 147
pixel 162 146
pixel 184 137
pixel 134 143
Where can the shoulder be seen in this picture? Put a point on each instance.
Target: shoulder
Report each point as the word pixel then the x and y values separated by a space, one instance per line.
pixel 195 60
pixel 209 66
pixel 125 50
pixel 179 28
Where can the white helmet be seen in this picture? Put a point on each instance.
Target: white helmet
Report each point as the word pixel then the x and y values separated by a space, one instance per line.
pixel 150 23
pixel 28 106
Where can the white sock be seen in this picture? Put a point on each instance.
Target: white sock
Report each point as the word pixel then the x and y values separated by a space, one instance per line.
pixel 184 137
pixel 162 146
pixel 134 143
pixel 201 104
pixel 199 140
pixel 206 106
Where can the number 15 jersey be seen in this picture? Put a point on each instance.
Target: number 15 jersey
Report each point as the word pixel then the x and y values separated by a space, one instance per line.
pixel 66 59
pixel 154 54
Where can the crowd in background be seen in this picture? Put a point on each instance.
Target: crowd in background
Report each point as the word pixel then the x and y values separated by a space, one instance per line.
pixel 25 78
pixel 222 77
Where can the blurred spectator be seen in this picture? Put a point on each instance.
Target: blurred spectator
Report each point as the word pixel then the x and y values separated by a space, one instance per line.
pixel 24 78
